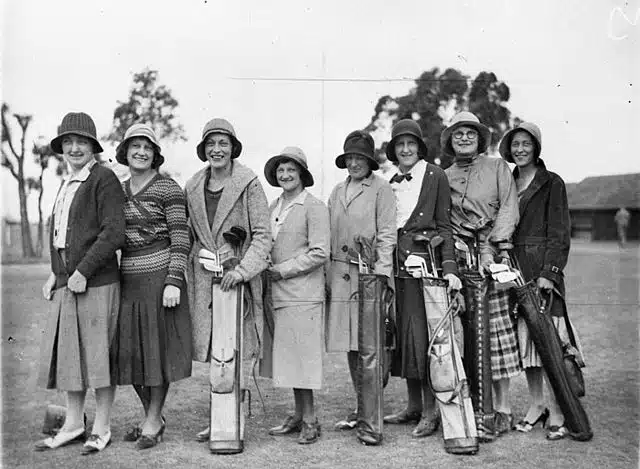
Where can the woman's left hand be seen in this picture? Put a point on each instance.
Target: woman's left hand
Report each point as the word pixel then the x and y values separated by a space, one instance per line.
pixel 171 296
pixel 544 283
pixel 230 280
pixel 77 283
pixel 454 283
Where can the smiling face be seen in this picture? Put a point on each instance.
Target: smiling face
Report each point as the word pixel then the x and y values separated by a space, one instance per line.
pixel 522 149
pixel 217 149
pixel 77 151
pixel 140 153
pixel 288 177
pixel 358 166
pixel 464 141
pixel 406 148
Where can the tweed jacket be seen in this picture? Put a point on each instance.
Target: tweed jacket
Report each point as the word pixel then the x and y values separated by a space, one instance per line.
pixel 299 253
pixel 543 236
pixel 242 203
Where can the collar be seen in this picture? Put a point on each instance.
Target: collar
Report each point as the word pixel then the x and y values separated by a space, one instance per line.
pixel 83 174
pixel 416 170
pixel 365 182
pixel 462 162
pixel 299 200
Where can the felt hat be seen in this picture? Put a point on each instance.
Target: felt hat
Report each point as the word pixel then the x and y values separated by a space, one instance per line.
pixel 219 126
pixel 360 143
pixel 406 127
pixel 288 154
pixel 466 119
pixel 531 129
pixel 77 123
pixel 139 130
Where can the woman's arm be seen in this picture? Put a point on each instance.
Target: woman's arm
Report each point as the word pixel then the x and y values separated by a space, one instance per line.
pixel 507 218
pixel 443 223
pixel 386 233
pixel 558 240
pixel 176 217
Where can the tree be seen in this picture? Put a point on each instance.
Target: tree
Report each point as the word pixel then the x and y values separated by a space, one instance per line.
pixel 436 97
pixel 151 104
pixel 13 159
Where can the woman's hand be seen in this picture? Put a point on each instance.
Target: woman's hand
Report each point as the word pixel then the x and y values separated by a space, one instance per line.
pixel 77 283
pixel 454 283
pixel 230 280
pixel 274 275
pixel 47 288
pixel 171 296
pixel 544 283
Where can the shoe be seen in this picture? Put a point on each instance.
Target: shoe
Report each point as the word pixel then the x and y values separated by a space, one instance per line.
pixel 485 435
pixel 402 417
pixel 525 426
pixel 503 423
pixel 149 441
pixel 60 439
pixel 290 425
pixel 96 443
pixel 367 436
pixel 203 436
pixel 348 423
pixel 426 427
pixel 557 432
pixel 310 433
pixel 133 434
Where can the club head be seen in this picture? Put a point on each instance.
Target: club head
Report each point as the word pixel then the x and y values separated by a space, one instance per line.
pixel 240 232
pixel 206 254
pixel 461 246
pixel 436 241
pixel 211 266
pixel 505 276
pixel 420 238
pixel 495 268
pixel 231 238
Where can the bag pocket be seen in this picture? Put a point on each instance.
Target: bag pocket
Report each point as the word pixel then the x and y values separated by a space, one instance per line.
pixel 223 371
pixel 441 371
pixel 574 373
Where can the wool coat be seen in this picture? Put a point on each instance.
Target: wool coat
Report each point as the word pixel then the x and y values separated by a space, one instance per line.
pixel 543 235
pixel 242 203
pixel 370 213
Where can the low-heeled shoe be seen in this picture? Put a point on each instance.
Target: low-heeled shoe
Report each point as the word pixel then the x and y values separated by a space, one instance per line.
pixel 503 423
pixel 290 425
pixel 426 427
pixel 403 417
pixel 96 443
pixel 557 432
pixel 60 439
pixel 310 433
pixel 348 423
pixel 132 434
pixel 203 436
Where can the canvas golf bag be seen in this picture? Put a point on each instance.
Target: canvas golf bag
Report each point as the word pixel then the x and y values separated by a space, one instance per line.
pixel 549 346
pixel 477 349
pixel 447 377
pixel 372 299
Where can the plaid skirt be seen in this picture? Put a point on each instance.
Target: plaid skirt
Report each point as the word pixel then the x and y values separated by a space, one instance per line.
pixel 503 338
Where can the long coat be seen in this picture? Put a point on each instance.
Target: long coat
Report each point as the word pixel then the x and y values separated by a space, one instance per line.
pixel 370 213
pixel 543 236
pixel 242 203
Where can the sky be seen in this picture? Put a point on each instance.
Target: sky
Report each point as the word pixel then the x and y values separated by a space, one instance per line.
pixel 571 66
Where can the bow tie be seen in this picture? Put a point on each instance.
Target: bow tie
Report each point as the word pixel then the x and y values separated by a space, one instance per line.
pixel 401 177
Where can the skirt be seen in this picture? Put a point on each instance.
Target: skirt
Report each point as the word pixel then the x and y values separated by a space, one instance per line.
pixel 298 345
pixel 78 337
pixel 530 357
pixel 152 344
pixel 503 339
pixel 412 341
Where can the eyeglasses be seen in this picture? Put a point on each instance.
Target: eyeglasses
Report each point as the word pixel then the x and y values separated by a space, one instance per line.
pixel 471 134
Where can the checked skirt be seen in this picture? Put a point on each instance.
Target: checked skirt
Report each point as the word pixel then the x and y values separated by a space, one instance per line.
pixel 503 338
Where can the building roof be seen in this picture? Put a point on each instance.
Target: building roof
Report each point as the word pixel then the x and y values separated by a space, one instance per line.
pixel 605 192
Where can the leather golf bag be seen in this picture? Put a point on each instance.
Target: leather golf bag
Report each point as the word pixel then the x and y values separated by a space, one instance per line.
pixel 447 378
pixel 549 346
pixel 477 348
pixel 227 415
pixel 372 290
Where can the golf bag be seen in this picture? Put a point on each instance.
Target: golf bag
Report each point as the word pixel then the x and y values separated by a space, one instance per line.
pixel 549 347
pixel 227 393
pixel 372 290
pixel 477 350
pixel 447 378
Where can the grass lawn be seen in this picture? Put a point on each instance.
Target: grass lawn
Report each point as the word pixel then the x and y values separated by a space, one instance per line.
pixel 602 285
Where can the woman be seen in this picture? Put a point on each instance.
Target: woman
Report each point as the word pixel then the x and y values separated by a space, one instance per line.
pixel 300 228
pixel 362 205
pixel 153 339
pixel 221 195
pixel 87 228
pixel 542 241
pixel 483 190
pixel 423 204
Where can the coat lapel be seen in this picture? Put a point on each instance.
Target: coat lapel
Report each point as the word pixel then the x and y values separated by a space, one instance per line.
pixel 424 194
pixel 198 208
pixel 539 180
pixel 230 195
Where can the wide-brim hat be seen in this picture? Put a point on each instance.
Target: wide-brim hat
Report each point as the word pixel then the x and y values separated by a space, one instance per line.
pixel 467 119
pixel 139 130
pixel 219 126
pixel 288 154
pixel 531 129
pixel 360 143
pixel 406 127
pixel 77 123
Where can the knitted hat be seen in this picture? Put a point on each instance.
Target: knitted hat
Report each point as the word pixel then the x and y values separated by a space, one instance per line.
pixel 77 123
pixel 219 126
pixel 531 129
pixel 406 127
pixel 468 119
pixel 139 130
pixel 360 143
pixel 288 154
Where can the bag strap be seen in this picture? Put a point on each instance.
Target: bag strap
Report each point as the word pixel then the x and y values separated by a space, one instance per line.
pixel 556 292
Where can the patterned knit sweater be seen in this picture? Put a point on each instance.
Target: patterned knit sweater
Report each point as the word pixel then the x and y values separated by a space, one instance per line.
pixel 156 234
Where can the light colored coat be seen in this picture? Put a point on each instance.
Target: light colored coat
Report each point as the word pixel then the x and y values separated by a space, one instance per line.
pixel 370 213
pixel 242 203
